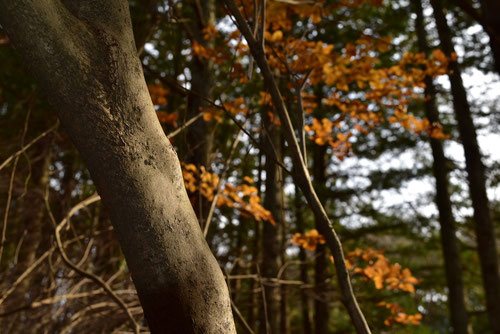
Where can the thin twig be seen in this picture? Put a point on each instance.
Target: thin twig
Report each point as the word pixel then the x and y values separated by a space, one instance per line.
pixel 220 184
pixel 27 146
pixel 300 117
pixel 59 298
pixel 83 204
pixel 264 302
pixel 7 206
pixel 241 318
pixel 184 126
pixel 11 187
pixel 25 274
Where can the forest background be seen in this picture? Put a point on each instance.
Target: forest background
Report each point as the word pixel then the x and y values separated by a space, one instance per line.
pixel 394 108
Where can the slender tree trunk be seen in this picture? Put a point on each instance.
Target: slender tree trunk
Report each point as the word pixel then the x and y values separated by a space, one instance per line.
pixel 254 296
pixel 490 10
pixel 199 136
pixel 304 277
pixel 487 17
pixel 284 322
pixel 449 243
pixel 485 233
pixel 270 233
pixel 84 57
pixel 144 22
pixel 321 312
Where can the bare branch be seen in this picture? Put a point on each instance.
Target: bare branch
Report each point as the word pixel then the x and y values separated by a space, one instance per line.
pixel 27 146
pixel 301 175
pixel 86 202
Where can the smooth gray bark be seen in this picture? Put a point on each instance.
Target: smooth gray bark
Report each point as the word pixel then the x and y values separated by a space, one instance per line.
pixel 83 55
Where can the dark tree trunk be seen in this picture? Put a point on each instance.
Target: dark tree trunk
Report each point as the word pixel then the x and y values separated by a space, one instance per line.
pixel 199 136
pixel 199 139
pixel 284 322
pixel 485 233
pixel 304 277
pixel 321 312
pixel 449 243
pixel 271 233
pixel 84 57
pixel 254 295
pixel 490 10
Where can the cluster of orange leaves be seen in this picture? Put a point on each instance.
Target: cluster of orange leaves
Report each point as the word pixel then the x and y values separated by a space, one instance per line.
pixel 356 69
pixel 309 240
pixel 321 132
pixel 398 316
pixel 362 87
pixel 280 14
pixel 389 88
pixel 417 125
pixel 373 265
pixel 243 197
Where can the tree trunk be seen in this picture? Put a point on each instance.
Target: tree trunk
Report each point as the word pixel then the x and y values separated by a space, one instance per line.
pixel 489 11
pixel 84 57
pixel 485 233
pixel 284 319
pixel 321 312
pixel 254 296
pixel 451 254
pixel 304 277
pixel 199 136
pixel 269 318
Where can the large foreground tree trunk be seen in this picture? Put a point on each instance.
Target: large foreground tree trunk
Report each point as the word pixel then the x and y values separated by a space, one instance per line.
pixel 485 233
pixel 449 242
pixel 84 57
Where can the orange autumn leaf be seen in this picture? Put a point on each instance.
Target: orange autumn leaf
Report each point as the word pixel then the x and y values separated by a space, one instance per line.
pixel 373 265
pixel 398 316
pixel 243 197
pixel 309 240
